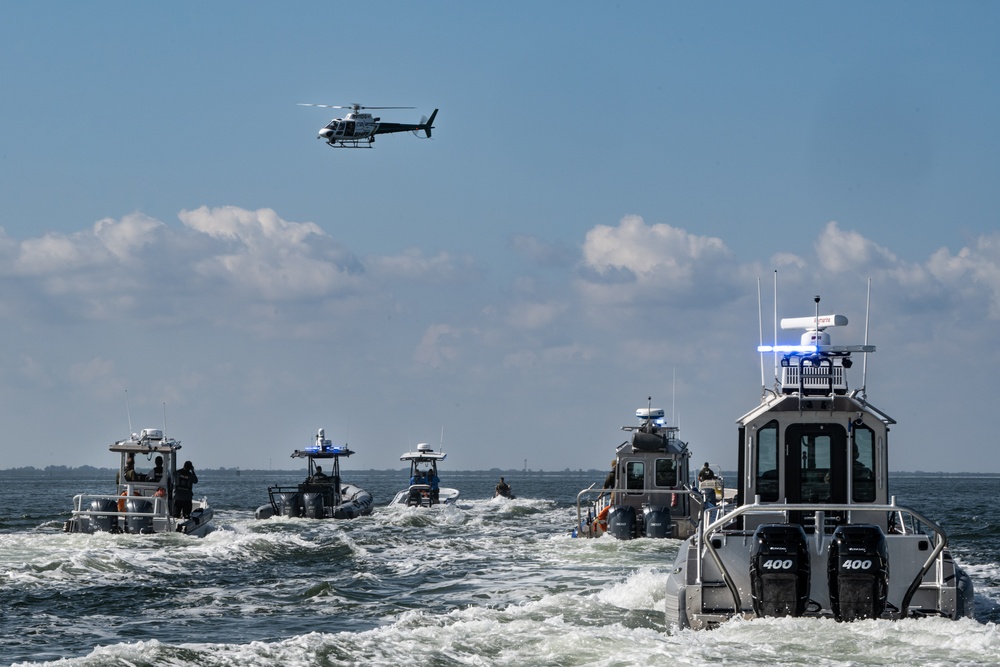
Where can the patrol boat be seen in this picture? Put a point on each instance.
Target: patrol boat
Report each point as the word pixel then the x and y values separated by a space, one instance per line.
pixel 142 502
pixel 647 493
pixel 424 490
pixel 814 531
pixel 320 496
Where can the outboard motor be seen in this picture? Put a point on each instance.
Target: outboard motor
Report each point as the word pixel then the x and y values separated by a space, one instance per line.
pixel 858 572
pixel 657 520
pixel 288 504
pixel 138 524
pixel 106 522
pixel 621 522
pixel 779 570
pixel 313 503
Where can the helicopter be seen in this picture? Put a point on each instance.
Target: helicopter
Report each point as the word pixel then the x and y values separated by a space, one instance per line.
pixel 358 128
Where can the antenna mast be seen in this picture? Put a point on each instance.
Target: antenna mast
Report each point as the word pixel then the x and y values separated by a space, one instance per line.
pixel 128 414
pixel 864 365
pixel 760 326
pixel 775 354
pixel 673 400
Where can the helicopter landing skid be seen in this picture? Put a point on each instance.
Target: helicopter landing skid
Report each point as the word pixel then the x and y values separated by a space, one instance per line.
pixel 356 143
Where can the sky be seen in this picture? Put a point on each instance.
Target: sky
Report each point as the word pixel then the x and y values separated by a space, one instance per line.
pixel 608 188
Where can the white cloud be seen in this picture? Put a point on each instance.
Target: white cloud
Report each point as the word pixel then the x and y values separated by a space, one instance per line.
pixel 126 237
pixel 271 258
pixel 640 265
pixel 237 310
pixel 658 250
pixel 841 251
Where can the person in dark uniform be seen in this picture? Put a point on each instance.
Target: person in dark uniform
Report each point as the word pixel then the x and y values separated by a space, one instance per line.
pixel 706 473
pixel 156 474
pixel 435 483
pixel 184 490
pixel 503 489
pixel 320 477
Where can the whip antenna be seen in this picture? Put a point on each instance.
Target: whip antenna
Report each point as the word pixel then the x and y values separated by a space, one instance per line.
pixel 128 414
pixel 864 365
pixel 760 325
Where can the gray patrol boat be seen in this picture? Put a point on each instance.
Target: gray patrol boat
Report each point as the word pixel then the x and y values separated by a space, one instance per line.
pixel 813 531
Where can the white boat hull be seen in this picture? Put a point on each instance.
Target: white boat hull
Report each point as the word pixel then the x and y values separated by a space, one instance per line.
pixel 419 495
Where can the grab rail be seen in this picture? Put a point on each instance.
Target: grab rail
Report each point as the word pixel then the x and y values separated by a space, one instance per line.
pixel 704 542
pixel 688 491
pixel 159 505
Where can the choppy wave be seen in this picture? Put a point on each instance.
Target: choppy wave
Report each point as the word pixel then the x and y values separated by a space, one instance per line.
pixel 485 582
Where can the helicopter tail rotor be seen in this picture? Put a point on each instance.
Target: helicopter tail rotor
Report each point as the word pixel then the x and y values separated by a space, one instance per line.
pixel 426 125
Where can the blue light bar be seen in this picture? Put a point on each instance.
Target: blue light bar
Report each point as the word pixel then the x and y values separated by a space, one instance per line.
pixel 788 348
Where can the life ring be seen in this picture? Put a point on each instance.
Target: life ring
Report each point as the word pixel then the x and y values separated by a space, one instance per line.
pixel 123 497
pixel 601 522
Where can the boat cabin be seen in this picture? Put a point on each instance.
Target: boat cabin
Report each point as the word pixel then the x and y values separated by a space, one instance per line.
pixel 647 493
pixel 811 440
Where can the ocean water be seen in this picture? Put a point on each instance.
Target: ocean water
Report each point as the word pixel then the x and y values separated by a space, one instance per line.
pixel 486 582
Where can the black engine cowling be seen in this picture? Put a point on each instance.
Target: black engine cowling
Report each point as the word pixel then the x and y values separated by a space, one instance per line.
pixel 779 570
pixel 622 523
pixel 858 572
pixel 657 522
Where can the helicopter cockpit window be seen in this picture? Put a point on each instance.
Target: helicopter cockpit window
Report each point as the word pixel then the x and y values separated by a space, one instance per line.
pixel 665 473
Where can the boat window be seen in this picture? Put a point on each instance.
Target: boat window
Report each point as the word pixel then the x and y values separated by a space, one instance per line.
pixel 816 463
pixel 863 465
pixel 666 472
pixel 814 473
pixel 635 475
pixel 767 462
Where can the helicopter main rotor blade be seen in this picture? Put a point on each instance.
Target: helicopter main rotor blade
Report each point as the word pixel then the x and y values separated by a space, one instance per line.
pixel 347 106
pixel 324 106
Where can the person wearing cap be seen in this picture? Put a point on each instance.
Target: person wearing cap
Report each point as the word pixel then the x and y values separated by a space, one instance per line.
pixel 705 473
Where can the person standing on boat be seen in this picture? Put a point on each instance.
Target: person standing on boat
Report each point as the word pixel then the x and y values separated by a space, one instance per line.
pixel 435 484
pixel 320 477
pixel 609 481
pixel 184 490
pixel 156 474
pixel 706 473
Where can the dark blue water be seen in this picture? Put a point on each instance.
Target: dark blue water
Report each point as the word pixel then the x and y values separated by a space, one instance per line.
pixel 485 582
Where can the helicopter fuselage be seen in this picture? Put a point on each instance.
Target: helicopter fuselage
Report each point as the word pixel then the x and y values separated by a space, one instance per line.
pixel 352 129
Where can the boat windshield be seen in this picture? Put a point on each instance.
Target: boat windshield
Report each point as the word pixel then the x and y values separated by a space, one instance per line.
pixel 635 475
pixel 665 472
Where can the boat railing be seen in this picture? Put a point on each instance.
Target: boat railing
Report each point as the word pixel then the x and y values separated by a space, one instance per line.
pixel 160 508
pixel 597 506
pixel 904 520
pixel 329 491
